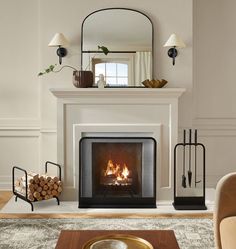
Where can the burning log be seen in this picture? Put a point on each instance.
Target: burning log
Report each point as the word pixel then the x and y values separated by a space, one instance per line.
pixel 115 174
pixel 40 187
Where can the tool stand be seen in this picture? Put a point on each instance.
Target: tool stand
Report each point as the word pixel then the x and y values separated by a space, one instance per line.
pixel 189 174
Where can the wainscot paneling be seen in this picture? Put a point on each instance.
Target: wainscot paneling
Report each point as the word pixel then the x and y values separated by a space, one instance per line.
pixel 23 144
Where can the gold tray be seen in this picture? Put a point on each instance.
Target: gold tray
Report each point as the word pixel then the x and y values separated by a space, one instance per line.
pixel 132 241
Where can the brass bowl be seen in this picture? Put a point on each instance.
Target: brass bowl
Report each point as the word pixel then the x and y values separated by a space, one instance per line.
pixel 131 241
pixel 154 83
pixel 109 244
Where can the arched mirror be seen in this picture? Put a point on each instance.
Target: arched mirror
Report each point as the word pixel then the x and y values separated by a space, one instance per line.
pixel 128 34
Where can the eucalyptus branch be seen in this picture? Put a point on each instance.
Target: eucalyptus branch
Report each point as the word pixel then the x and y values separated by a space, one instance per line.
pixel 57 71
pixel 51 68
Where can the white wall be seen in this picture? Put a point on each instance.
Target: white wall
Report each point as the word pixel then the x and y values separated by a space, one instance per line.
pixel 19 89
pixel 28 109
pixel 214 84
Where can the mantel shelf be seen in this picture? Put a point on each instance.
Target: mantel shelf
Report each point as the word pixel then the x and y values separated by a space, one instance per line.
pixel 118 92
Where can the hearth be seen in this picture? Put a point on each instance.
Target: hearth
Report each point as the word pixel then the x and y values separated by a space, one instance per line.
pixel 117 172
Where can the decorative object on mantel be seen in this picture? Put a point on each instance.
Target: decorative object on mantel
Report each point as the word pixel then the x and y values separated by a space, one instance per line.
pixel 174 41
pixel 81 78
pixel 60 41
pixel 33 187
pixel 154 83
pixel 101 82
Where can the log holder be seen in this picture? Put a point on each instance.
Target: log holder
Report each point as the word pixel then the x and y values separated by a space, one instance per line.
pixel 25 197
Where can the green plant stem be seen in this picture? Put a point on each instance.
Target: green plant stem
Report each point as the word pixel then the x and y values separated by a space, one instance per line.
pixel 57 71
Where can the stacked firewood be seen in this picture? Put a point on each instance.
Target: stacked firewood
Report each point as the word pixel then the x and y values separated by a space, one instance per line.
pixel 40 187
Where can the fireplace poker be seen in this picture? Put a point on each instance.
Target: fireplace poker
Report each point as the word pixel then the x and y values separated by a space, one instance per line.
pixel 183 176
pixel 195 156
pixel 189 171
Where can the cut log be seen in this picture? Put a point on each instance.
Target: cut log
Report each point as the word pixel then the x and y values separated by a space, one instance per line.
pixel 55 179
pixel 45 187
pixel 54 192
pixel 55 186
pixel 36 194
pixel 42 183
pixel 40 187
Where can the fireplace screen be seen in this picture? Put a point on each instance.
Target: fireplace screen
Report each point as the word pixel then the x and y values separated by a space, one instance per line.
pixel 117 172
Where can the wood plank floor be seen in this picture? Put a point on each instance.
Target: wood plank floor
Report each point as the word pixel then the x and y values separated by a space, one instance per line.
pixel 6 195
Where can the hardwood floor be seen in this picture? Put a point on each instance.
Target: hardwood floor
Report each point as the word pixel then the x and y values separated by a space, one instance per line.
pixel 6 195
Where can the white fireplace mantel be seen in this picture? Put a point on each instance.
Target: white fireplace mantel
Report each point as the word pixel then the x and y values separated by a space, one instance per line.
pixel 87 111
pixel 117 92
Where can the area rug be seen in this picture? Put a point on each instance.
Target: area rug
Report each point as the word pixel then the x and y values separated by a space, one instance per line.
pixel 44 233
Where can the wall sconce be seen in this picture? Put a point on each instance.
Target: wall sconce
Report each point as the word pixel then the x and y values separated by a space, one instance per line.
pixel 174 41
pixel 59 40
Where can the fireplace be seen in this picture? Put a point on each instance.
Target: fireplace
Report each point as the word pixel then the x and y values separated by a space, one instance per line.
pixel 136 112
pixel 117 172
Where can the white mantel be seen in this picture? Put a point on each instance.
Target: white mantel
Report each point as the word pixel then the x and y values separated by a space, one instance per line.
pixel 86 111
pixel 118 92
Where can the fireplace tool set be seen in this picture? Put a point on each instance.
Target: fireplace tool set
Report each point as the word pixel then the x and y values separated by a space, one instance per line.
pixel 189 173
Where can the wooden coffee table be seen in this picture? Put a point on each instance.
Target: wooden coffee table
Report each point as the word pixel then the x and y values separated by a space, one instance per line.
pixel 75 239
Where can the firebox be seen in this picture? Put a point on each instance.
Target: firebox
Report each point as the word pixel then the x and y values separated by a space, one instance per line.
pixel 117 172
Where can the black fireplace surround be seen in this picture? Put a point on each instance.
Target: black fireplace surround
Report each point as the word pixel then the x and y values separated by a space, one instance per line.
pixel 117 172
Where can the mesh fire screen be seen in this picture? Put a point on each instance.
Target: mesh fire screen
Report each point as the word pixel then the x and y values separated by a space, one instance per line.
pixel 117 172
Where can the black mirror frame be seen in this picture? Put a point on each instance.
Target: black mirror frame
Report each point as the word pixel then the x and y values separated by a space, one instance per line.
pixel 82 31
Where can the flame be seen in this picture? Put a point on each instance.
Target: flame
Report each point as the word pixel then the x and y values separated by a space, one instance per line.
pixel 125 171
pixel 121 174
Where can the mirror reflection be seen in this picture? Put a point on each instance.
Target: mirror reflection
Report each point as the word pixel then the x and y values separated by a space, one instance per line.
pixel 128 34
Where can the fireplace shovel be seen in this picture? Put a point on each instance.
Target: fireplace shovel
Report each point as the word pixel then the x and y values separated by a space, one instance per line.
pixel 183 176
pixel 189 171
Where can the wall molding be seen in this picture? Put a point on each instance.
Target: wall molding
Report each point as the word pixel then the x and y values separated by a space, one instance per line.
pixel 218 123
pixel 24 131
pixel 213 127
pixel 20 122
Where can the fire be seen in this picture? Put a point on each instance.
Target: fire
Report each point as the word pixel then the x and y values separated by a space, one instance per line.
pixel 118 172
pixel 125 171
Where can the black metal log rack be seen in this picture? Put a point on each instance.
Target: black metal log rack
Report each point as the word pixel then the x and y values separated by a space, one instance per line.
pixel 25 197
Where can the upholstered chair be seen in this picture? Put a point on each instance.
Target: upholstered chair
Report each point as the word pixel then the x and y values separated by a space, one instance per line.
pixel 225 213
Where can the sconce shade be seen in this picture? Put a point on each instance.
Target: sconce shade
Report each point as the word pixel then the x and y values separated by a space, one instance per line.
pixel 174 41
pixel 58 40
